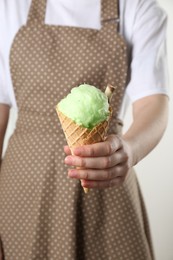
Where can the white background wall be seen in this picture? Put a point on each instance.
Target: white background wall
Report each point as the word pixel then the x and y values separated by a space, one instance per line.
pixel 155 172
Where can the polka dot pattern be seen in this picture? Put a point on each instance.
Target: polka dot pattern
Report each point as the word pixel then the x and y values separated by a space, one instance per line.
pixel 43 214
pixel 109 10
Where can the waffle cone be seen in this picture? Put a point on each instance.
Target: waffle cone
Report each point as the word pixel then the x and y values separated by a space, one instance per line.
pixel 78 135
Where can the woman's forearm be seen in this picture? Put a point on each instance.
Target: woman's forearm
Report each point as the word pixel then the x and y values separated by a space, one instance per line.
pixel 4 116
pixel 150 116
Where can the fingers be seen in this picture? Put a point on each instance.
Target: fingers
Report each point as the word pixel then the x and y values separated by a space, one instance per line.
pixel 97 162
pixel 101 165
pixel 109 146
pixel 67 150
pixel 116 182
pixel 99 175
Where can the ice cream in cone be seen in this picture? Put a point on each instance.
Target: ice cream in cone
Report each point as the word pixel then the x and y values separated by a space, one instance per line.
pixel 85 115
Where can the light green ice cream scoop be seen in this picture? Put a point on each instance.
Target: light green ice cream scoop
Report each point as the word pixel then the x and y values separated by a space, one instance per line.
pixel 86 105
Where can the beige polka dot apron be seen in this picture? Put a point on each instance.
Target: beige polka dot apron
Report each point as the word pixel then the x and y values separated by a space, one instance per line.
pixel 43 214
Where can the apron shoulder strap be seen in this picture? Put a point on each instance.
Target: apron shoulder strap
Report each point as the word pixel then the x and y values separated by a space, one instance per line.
pixel 37 11
pixel 109 11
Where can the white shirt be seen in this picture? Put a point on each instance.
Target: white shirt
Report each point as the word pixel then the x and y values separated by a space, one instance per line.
pixel 142 23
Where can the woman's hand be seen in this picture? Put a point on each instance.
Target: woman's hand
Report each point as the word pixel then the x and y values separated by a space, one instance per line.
pixel 101 165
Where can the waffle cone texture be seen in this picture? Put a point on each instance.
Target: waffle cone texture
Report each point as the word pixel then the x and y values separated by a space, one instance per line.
pixel 78 135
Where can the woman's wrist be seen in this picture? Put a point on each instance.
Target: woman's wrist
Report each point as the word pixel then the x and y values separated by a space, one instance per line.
pixel 130 147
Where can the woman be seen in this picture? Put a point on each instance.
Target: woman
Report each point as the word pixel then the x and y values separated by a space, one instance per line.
pixel 43 214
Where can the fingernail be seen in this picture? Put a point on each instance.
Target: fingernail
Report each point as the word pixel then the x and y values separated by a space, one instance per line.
pixel 83 183
pixel 72 173
pixel 68 160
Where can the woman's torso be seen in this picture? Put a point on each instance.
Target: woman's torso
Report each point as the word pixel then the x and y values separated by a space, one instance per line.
pixel 84 14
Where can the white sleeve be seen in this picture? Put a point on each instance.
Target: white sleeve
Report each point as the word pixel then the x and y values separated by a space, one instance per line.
pixel 13 15
pixel 4 94
pixel 149 71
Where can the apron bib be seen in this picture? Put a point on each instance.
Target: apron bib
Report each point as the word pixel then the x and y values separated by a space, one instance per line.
pixel 43 214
